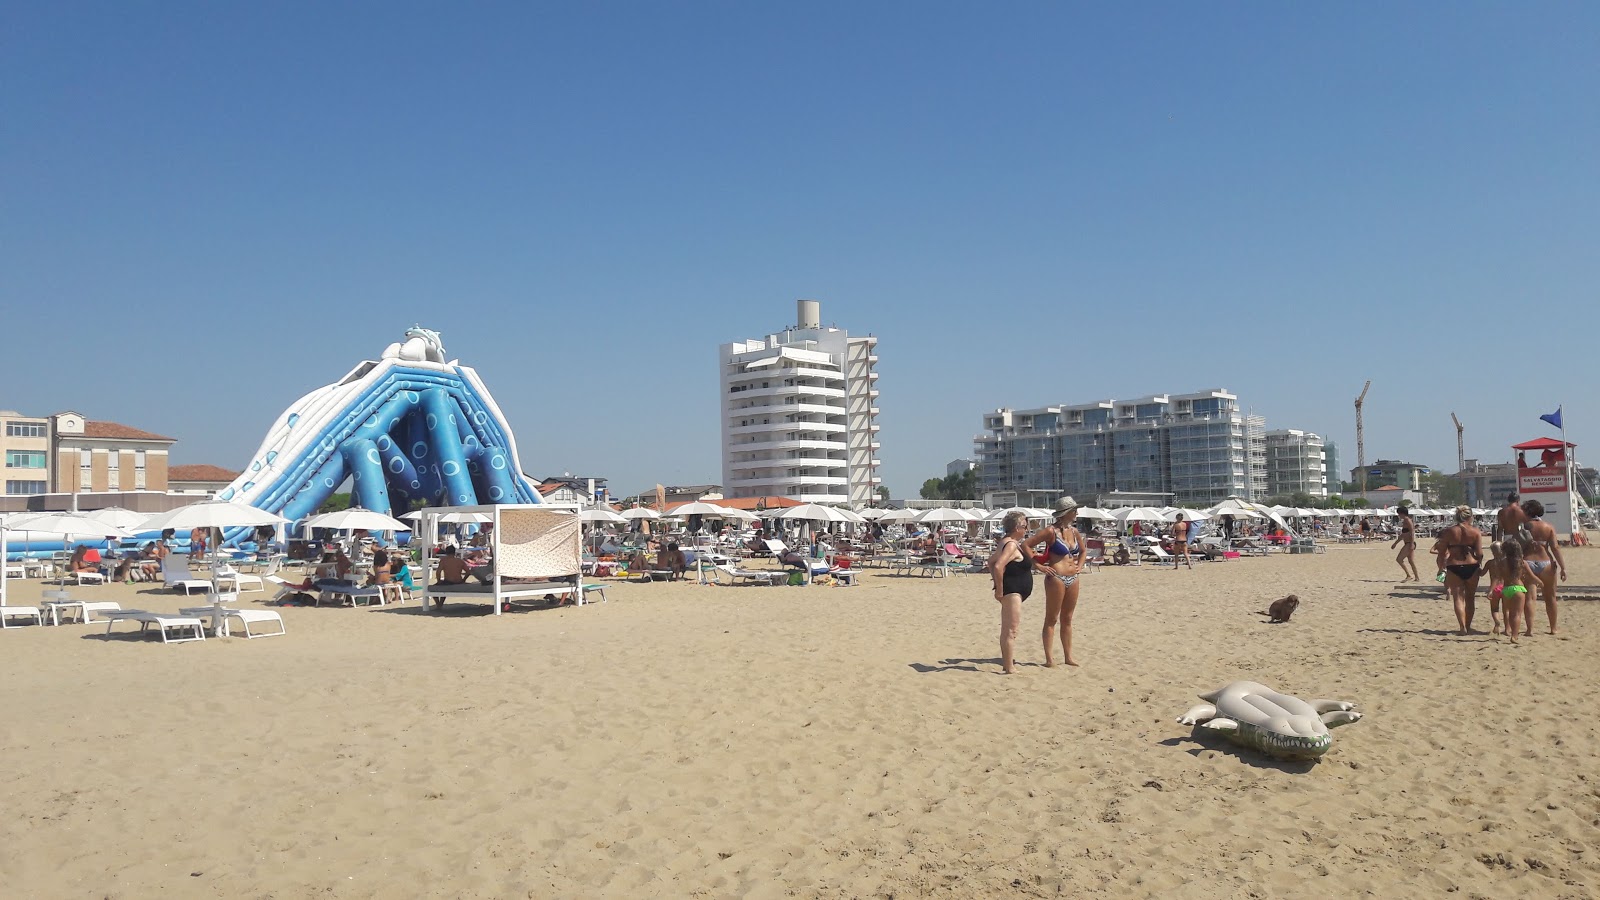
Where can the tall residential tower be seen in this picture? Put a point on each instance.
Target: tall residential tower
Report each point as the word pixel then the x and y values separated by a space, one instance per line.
pixel 799 414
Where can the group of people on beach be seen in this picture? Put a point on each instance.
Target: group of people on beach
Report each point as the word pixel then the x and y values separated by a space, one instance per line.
pixel 1060 559
pixel 1524 558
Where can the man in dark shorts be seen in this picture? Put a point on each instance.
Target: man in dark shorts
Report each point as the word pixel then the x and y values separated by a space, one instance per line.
pixel 1511 521
pixel 1180 543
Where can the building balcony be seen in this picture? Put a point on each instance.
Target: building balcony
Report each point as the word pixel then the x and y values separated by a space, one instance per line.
pixel 795 444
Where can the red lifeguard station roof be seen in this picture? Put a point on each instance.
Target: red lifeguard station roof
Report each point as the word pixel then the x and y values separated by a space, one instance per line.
pixel 1541 444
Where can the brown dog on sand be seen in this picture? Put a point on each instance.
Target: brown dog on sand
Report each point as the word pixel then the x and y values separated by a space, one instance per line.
pixel 1281 609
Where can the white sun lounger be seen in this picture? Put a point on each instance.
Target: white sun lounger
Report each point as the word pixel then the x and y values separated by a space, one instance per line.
pixel 164 622
pixel 20 612
pixel 736 576
pixel 56 601
pixel 175 574
pixel 246 618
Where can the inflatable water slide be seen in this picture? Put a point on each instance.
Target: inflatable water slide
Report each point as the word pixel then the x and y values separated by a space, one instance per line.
pixel 409 429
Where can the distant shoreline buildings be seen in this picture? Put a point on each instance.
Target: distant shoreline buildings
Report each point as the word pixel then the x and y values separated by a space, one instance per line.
pixel 799 414
pixel 1187 449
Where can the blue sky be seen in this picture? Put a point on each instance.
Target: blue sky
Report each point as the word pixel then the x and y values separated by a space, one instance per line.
pixel 210 209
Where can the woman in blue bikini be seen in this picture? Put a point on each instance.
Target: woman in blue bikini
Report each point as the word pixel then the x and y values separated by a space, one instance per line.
pixel 1063 563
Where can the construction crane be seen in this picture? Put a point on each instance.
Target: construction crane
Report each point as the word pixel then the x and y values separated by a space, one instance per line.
pixel 1461 447
pixel 1361 441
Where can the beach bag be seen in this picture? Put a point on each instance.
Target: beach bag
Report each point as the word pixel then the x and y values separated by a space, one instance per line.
pixel 797 578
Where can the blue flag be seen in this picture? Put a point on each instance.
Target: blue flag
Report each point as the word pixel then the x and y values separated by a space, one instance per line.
pixel 1553 418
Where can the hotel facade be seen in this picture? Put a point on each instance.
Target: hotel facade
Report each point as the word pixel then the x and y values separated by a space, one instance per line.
pixel 1190 449
pixel 68 454
pixel 799 414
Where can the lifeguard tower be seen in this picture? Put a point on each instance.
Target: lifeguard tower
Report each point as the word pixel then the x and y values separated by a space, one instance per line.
pixel 1545 469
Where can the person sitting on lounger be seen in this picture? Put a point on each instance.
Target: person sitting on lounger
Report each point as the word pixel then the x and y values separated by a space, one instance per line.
pixel 671 560
pixel 380 569
pixel 85 560
pixel 452 570
pixel 400 572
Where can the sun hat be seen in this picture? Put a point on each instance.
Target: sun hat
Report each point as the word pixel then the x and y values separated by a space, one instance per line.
pixel 1064 506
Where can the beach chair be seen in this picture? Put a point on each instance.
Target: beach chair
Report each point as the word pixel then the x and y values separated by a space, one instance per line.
pixel 1161 556
pixel 247 581
pixel 175 575
pixel 16 570
pixel 221 612
pixel 186 628
pixel 57 601
pixel 20 612
pixel 731 575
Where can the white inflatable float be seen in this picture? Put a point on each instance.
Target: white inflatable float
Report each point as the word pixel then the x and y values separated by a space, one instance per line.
pixel 1253 715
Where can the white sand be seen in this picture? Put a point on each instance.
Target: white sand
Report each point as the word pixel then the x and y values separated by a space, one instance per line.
pixel 834 742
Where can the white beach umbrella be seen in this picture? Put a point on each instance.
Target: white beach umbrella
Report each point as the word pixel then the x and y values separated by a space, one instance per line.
pixel 872 513
pixel 978 513
pixel 898 515
pixel 1139 514
pixel 467 517
pixel 743 515
pixel 640 512
pixel 66 524
pixel 1089 512
pixel 699 508
pixel 814 512
pixel 601 514
pixel 356 517
pixel 941 514
pixel 212 514
pixel 1187 515
pixel 118 516
pixel 852 516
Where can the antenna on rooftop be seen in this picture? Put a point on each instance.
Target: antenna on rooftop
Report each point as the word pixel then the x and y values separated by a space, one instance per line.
pixel 1461 446
pixel 1361 442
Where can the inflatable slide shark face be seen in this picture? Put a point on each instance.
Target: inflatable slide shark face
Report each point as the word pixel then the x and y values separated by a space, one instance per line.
pixel 410 430
pixel 1256 716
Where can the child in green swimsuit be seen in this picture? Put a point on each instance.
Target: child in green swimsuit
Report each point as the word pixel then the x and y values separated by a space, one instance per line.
pixel 1510 577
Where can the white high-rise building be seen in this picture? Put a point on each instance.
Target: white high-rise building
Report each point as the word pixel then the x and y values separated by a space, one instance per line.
pixel 1295 463
pixel 799 414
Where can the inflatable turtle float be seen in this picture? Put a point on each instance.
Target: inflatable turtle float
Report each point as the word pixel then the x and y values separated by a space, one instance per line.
pixel 1253 715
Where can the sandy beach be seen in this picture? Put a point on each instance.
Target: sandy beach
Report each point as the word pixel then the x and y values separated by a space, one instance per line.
pixel 691 741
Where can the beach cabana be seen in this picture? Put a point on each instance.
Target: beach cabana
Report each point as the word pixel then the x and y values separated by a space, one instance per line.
pixel 537 550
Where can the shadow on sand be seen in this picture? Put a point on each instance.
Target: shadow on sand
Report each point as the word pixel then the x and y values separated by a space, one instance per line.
pixel 968 665
pixel 1208 739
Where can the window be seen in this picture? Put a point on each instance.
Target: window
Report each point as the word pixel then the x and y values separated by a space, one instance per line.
pixel 85 470
pixel 25 429
pixel 24 459
pixel 138 470
pixel 15 488
pixel 114 478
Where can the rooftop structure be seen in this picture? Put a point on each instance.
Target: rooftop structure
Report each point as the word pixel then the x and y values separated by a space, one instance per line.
pixel 799 414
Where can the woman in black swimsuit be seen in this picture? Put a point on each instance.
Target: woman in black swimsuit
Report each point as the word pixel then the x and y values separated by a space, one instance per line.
pixel 1463 557
pixel 1012 569
pixel 1408 553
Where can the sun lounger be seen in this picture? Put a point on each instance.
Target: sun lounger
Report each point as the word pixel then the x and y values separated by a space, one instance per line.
pixel 57 601
pixel 246 618
pixel 736 576
pixel 175 574
pixel 20 612
pixel 15 570
pixel 165 623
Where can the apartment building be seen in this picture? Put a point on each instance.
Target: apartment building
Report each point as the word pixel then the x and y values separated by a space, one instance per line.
pixel 799 414
pixel 1179 448
pixel 68 454
pixel 26 442
pixel 1295 462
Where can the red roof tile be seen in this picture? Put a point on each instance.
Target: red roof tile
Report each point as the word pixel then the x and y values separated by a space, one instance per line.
pixel 120 432
pixel 200 472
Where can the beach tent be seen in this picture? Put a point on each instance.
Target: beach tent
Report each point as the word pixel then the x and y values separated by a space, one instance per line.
pixel 537 550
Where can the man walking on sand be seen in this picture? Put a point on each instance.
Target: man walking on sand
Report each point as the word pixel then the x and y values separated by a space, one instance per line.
pixel 1512 522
